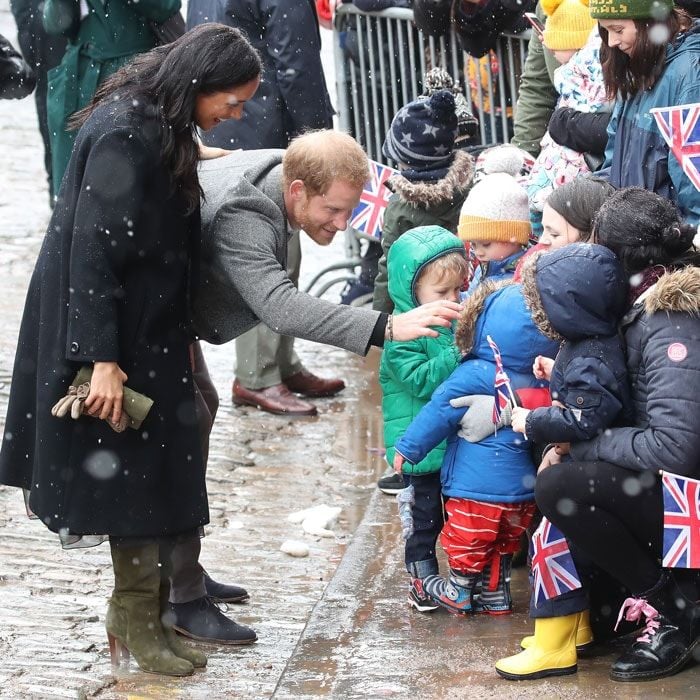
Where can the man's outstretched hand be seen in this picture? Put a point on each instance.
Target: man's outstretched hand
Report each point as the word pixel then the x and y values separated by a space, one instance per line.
pixel 418 322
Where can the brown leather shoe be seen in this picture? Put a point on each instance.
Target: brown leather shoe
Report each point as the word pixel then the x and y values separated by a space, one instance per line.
pixel 274 399
pixel 308 384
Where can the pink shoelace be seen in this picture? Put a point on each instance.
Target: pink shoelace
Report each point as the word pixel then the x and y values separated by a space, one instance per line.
pixel 633 609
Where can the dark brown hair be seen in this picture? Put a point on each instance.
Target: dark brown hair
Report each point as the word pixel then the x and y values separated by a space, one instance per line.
pixel 578 202
pixel 207 59
pixel 628 75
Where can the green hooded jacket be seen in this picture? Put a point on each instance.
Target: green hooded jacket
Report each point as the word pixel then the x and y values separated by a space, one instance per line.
pixel 410 371
pixel 100 43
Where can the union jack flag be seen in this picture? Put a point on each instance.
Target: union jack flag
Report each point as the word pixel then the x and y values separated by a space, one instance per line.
pixel 368 216
pixel 680 128
pixel 553 568
pixel 681 521
pixel 500 398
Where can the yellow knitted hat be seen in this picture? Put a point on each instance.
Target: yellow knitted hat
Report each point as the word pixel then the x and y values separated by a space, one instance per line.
pixel 496 209
pixel 568 26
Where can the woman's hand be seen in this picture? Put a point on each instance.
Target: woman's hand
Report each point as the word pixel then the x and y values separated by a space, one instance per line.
pixel 518 419
pixel 106 392
pixel 210 152
pixel 550 457
pixel 542 367
pixel 399 459
pixel 417 322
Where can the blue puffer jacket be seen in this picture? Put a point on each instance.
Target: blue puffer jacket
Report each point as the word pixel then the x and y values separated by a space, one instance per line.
pixel 498 469
pixel 579 293
pixel 662 333
pixel 636 154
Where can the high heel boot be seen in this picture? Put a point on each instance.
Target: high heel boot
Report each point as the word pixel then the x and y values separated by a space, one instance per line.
pixel 133 616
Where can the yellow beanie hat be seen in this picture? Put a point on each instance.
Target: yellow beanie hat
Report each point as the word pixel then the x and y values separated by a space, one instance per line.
pixel 496 209
pixel 569 24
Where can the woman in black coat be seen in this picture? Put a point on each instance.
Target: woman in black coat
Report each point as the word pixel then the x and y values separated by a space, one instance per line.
pixel 110 290
pixel 612 482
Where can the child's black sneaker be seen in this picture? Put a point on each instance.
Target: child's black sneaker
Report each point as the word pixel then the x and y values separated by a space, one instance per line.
pixel 418 599
pixel 391 484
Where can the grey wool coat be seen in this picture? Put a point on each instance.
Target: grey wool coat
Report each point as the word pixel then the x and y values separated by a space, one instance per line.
pixel 110 284
pixel 243 278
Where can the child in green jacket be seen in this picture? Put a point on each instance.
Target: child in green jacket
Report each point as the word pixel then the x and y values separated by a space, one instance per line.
pixel 426 264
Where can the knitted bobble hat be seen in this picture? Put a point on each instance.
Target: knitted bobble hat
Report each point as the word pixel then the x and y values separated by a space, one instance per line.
pixel 422 134
pixel 496 209
pixel 629 9
pixel 568 25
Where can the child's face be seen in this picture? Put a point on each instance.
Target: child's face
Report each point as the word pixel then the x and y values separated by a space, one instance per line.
pixel 490 251
pixel 433 286
pixel 556 230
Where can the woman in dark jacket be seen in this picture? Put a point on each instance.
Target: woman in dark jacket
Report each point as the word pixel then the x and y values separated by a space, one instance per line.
pixel 613 483
pixel 110 290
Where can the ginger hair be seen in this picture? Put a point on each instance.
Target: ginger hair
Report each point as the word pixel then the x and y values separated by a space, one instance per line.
pixel 317 158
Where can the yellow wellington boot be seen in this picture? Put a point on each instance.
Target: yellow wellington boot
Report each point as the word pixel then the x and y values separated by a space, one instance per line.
pixel 552 654
pixel 584 634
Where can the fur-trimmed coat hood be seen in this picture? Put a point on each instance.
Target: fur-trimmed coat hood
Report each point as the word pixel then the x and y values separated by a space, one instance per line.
pixel 579 291
pixel 427 194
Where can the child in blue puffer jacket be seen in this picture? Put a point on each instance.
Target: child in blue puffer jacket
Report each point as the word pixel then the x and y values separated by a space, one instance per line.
pixel 487 486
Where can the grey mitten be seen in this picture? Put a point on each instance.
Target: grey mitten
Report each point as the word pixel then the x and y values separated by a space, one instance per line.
pixel 477 423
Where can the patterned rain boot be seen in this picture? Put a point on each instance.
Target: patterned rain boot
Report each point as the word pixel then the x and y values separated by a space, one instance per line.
pixel 495 598
pixel 454 593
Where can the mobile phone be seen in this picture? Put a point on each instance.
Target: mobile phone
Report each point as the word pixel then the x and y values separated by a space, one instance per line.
pixel 536 24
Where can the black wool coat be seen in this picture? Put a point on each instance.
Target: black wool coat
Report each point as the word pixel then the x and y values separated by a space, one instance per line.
pixel 110 284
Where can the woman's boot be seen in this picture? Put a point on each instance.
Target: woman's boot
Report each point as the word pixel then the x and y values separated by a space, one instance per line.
pixel 552 654
pixel 671 636
pixel 584 634
pixel 133 616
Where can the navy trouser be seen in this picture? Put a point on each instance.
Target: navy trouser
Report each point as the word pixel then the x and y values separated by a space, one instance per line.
pixel 428 519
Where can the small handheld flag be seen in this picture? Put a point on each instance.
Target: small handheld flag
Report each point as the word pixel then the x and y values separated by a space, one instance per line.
pixel 553 567
pixel 500 399
pixel 680 127
pixel 681 521
pixel 368 215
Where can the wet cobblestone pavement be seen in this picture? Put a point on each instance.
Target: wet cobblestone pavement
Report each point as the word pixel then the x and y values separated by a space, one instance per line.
pixel 334 624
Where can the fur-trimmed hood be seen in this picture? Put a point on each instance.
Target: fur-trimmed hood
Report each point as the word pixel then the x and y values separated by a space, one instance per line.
pixel 497 309
pixel 678 290
pixel 579 291
pixel 431 194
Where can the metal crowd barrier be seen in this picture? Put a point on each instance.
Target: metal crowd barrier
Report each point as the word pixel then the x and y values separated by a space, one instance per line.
pixel 381 57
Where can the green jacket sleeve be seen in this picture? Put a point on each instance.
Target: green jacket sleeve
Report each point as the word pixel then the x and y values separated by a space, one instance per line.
pixel 417 374
pixel 62 17
pixel 537 97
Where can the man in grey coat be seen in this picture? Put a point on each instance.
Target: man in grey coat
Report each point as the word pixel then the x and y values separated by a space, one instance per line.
pixel 253 202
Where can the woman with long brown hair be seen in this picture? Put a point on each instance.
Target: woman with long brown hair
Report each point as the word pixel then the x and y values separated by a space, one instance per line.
pixel 110 291
pixel 651 58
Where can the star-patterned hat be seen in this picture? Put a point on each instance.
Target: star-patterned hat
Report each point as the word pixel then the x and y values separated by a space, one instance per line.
pixel 422 134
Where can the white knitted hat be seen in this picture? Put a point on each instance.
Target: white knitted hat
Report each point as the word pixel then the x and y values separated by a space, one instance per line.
pixel 496 209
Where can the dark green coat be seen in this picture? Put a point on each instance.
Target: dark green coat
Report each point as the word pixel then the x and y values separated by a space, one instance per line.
pixel 421 204
pixel 99 44
pixel 537 97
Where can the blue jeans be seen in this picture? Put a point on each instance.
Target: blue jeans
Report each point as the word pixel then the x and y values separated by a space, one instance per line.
pixel 428 519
